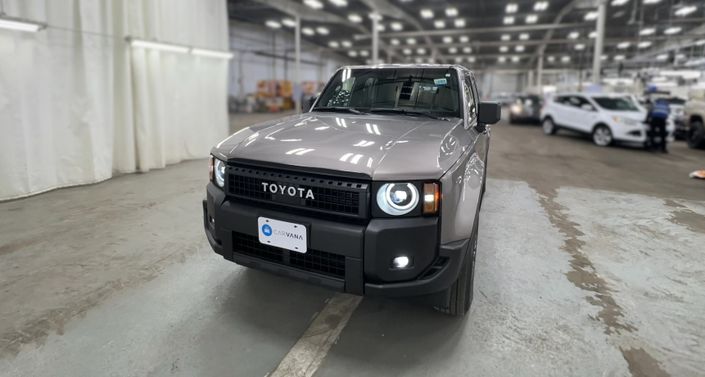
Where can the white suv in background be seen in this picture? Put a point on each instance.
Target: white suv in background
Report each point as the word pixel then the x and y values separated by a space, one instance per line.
pixel 607 117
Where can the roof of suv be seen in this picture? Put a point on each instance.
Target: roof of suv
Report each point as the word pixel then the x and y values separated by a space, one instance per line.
pixel 383 66
pixel 591 94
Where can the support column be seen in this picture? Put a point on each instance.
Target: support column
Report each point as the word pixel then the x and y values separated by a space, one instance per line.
pixel 539 72
pixel 297 65
pixel 375 38
pixel 599 41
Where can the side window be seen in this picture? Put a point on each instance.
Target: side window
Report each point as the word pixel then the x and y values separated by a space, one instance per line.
pixel 470 93
pixel 582 101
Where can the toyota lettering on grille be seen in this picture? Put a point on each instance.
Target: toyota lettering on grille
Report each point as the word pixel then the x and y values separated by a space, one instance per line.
pixel 275 188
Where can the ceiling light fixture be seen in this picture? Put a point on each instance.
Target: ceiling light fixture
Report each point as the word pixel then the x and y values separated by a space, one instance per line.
pixel 447 39
pixel 339 3
pixel 333 44
pixel 451 12
pixel 673 30
pixel 459 22
pixel 519 48
pixel 644 44
pixel 619 58
pixel 307 31
pixel 421 51
pixel 565 59
pixel 592 35
pixel 618 3
pixel 467 49
pixel 18 24
pixel 652 1
pixel 346 44
pixel 573 35
pixel 212 53
pixel 322 30
pixel 315 4
pixel 452 50
pixel 354 17
pixel 288 22
pixel 623 45
pixel 352 53
pixel 505 37
pixel 273 24
pixel 531 19
pixel 471 59
pixel 426 13
pixel 591 16
pixel 541 6
pixel 406 51
pixel 512 8
pixel 364 53
pixel 439 24
pixel 394 42
pixel 157 45
pixel 464 39
pixel 396 26
pixel 410 41
pixel 524 36
pixel 501 59
pixel 580 47
pixel 647 31
pixel 662 57
pixel 686 10
pixel 551 59
pixel 515 59
pixel 509 20
pixel 503 49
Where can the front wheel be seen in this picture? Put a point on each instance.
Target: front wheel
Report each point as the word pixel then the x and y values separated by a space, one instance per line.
pixel 602 136
pixel 457 299
pixel 549 128
pixel 696 136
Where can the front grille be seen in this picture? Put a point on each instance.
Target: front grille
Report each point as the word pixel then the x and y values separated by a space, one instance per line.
pixel 313 192
pixel 313 260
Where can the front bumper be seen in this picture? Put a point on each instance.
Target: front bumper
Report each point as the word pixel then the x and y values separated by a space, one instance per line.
pixel 347 256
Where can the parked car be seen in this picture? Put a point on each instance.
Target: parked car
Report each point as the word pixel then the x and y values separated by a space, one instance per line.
pixel 526 108
pixel 608 118
pixel 376 190
pixel 694 114
pixel 504 99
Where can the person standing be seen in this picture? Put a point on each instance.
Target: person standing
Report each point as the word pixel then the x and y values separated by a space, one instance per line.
pixel 657 119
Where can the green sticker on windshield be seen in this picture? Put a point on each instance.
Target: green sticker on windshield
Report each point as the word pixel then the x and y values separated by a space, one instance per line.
pixel 440 82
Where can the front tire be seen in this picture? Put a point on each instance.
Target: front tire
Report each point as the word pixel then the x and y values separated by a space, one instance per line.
pixel 549 127
pixel 602 136
pixel 457 299
pixel 696 135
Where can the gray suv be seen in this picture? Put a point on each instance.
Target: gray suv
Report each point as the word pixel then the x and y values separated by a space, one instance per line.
pixel 374 190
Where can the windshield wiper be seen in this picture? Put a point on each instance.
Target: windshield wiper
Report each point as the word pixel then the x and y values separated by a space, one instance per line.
pixel 340 109
pixel 408 112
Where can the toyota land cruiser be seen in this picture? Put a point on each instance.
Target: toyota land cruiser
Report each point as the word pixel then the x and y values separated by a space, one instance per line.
pixel 374 190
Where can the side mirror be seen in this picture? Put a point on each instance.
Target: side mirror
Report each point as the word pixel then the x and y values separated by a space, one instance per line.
pixel 307 104
pixel 489 113
pixel 587 107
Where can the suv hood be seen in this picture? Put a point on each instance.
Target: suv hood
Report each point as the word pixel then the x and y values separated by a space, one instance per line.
pixel 382 147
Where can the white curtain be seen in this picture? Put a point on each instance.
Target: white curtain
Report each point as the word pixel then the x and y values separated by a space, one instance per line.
pixel 78 104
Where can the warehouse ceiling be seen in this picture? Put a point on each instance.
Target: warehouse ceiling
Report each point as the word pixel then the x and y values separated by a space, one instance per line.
pixel 492 33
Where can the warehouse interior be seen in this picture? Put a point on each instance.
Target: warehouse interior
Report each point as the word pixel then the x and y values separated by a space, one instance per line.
pixel 589 255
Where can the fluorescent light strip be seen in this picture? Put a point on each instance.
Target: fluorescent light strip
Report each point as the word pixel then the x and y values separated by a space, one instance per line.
pixel 212 53
pixel 140 43
pixel 158 46
pixel 20 25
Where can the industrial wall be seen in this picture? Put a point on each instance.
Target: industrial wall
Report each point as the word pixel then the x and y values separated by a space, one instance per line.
pixel 266 54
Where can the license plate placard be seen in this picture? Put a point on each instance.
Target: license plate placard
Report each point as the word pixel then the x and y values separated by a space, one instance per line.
pixel 290 236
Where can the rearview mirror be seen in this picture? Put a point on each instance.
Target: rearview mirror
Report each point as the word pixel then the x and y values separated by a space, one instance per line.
pixel 489 113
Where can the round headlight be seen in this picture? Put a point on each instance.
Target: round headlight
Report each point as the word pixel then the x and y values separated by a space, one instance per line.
pixel 397 199
pixel 219 173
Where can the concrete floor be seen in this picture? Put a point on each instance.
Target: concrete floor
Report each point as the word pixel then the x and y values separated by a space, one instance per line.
pixel 590 263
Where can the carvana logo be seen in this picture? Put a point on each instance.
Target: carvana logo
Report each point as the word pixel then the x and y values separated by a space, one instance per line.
pixel 266 230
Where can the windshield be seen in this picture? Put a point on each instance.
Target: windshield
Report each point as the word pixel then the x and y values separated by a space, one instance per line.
pixel 405 90
pixel 615 104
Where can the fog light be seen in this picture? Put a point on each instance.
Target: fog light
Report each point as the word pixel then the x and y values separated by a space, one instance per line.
pixel 400 262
